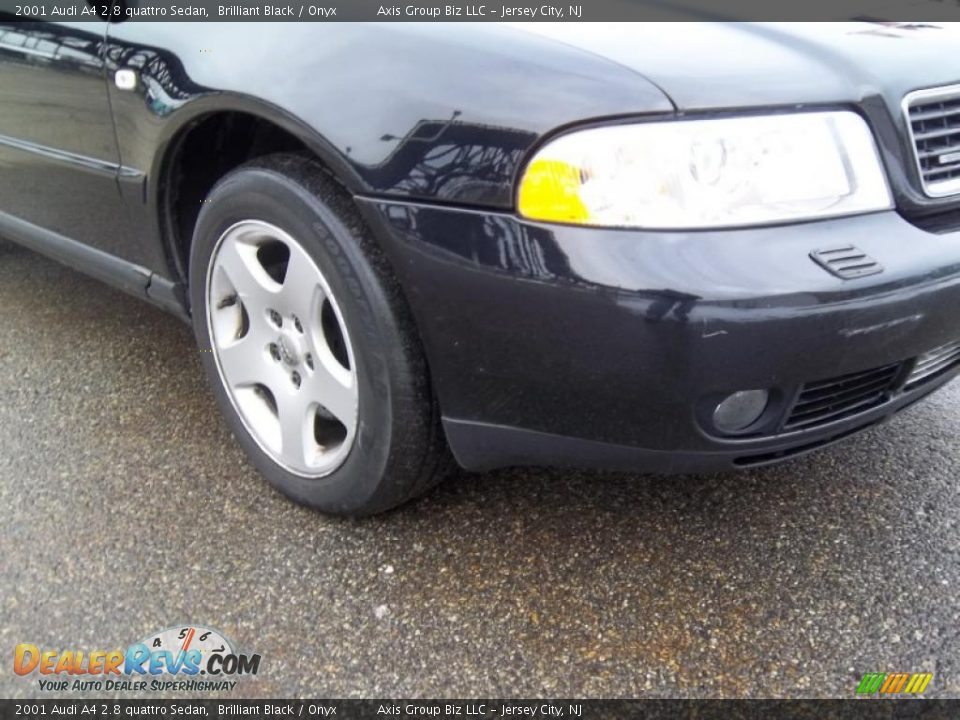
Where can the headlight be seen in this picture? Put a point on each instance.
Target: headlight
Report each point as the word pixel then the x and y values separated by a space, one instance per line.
pixel 707 173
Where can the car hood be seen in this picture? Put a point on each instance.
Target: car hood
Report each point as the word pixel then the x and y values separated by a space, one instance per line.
pixel 721 65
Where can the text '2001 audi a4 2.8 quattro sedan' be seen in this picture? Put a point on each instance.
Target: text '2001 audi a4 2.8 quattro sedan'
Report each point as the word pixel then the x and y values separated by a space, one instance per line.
pixel 667 249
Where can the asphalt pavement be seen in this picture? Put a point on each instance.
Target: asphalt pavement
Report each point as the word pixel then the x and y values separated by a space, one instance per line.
pixel 126 507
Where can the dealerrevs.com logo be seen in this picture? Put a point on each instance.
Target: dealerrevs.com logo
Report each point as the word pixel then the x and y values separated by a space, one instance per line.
pixel 186 658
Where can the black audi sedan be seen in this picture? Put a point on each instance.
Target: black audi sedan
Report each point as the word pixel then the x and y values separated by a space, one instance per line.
pixel 661 248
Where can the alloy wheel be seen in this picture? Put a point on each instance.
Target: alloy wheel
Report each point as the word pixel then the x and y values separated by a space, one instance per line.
pixel 282 348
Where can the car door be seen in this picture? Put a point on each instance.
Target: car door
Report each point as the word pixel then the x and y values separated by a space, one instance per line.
pixel 59 161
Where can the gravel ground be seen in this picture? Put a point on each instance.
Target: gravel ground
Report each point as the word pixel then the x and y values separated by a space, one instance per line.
pixel 126 508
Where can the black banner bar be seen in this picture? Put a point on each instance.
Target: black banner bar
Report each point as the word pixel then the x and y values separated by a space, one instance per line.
pixel 477 11
pixel 865 709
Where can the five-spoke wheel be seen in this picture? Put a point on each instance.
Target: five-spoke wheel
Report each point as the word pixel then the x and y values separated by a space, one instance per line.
pixel 282 348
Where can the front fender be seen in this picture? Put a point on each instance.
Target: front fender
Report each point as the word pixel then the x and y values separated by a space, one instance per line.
pixel 423 112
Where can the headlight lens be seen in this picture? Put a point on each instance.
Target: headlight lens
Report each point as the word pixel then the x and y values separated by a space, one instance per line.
pixel 708 173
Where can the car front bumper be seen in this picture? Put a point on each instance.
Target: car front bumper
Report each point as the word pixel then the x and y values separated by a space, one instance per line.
pixel 560 345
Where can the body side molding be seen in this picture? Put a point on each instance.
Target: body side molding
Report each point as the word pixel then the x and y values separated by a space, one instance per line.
pixel 92 164
pixel 107 268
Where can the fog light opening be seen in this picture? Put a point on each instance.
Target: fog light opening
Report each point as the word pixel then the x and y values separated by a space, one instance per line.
pixel 740 410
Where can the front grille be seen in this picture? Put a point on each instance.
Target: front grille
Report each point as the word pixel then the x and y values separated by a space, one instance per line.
pixel 934 120
pixel 934 363
pixel 827 401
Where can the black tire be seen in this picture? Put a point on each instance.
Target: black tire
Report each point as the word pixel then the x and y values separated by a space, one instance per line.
pixel 399 450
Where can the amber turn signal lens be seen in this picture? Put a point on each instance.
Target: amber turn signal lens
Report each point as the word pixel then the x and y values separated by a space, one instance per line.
pixel 551 191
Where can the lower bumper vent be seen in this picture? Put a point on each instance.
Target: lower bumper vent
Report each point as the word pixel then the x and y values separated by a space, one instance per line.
pixel 933 363
pixel 827 401
pixel 794 451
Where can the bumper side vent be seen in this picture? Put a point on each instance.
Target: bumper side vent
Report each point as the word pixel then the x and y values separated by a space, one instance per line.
pixel 787 453
pixel 934 120
pixel 846 262
pixel 827 401
pixel 934 363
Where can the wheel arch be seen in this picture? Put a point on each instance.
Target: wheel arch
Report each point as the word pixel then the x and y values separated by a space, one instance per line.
pixel 218 113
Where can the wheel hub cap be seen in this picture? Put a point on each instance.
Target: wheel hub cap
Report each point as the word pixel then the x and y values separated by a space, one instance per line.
pixel 290 350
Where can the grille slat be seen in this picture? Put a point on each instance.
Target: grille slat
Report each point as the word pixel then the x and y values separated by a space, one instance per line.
pixel 837 414
pixel 934 369
pixel 934 120
pixel 858 377
pixel 809 406
pixel 934 111
pixel 937 362
pixel 936 153
pixel 934 134
pixel 945 172
pixel 934 363
pixel 826 401
pixel 932 359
